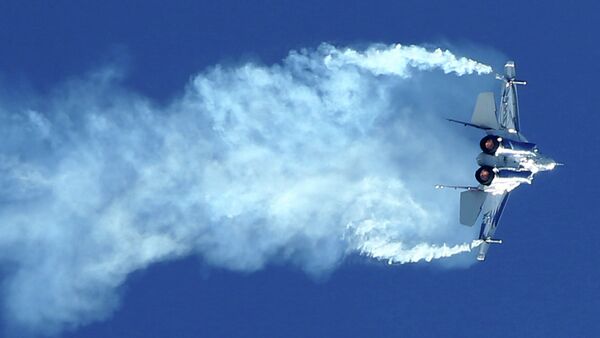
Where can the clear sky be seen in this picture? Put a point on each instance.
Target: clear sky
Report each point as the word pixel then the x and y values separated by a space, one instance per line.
pixel 542 282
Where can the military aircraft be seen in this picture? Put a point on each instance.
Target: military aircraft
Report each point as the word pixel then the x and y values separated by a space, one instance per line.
pixel 507 160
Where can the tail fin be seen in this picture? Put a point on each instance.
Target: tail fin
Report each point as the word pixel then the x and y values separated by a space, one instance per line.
pixel 471 202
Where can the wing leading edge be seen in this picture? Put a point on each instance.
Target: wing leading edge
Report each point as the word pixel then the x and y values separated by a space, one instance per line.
pixel 491 216
pixel 508 117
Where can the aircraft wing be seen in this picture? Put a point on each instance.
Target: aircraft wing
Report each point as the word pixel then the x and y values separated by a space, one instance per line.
pixel 491 216
pixel 508 116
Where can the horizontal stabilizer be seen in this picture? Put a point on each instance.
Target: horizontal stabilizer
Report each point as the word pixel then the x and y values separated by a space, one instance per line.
pixel 455 187
pixel 484 114
pixel 468 124
pixel 471 202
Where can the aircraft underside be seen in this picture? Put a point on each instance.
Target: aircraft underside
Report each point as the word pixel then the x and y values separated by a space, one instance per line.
pixel 507 160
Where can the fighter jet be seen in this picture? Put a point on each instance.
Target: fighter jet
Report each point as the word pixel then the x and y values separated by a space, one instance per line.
pixel 507 160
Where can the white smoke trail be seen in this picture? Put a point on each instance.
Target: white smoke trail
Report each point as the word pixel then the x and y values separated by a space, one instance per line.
pixel 333 152
pixel 396 252
pixel 397 60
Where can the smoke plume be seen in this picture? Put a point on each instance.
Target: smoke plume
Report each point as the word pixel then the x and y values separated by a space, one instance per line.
pixel 330 153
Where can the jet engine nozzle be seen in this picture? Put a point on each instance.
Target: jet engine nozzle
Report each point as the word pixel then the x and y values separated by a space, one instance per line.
pixel 496 145
pixel 489 144
pixel 485 175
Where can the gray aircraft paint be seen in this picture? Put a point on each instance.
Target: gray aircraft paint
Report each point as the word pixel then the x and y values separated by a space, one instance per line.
pixel 515 161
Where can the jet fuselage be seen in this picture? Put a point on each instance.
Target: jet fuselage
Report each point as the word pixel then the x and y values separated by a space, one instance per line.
pixel 508 160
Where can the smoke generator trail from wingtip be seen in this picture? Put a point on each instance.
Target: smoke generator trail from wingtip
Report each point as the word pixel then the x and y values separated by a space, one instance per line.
pixel 332 152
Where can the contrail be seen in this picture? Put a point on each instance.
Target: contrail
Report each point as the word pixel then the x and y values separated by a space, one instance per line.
pixel 330 153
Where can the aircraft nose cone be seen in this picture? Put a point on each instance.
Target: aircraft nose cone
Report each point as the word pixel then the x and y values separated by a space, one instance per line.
pixel 549 164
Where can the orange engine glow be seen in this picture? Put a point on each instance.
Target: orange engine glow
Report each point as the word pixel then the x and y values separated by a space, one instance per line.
pixel 484 175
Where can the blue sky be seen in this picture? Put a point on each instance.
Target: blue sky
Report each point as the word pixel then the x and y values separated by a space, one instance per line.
pixel 543 281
